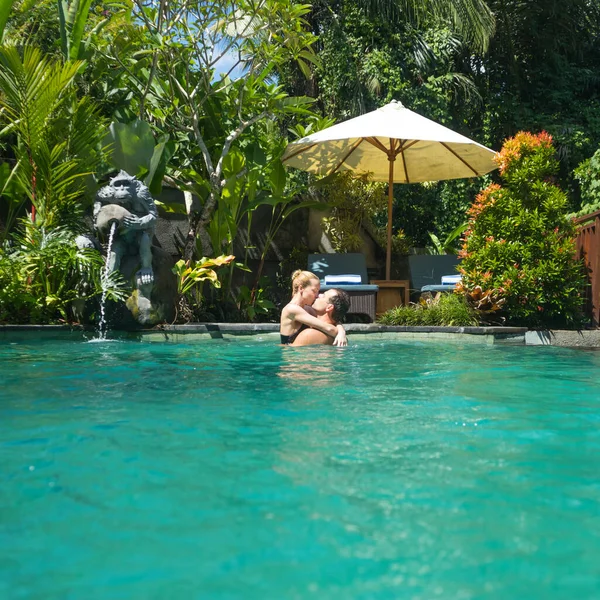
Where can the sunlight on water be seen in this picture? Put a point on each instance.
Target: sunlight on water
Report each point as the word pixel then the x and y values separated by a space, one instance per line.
pixel 250 470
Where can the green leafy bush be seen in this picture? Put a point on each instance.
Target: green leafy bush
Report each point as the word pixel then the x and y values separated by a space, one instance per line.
pixel 353 202
pixel 588 175
pixel 519 244
pixel 46 278
pixel 56 139
pixel 449 310
pixel 254 303
pixel 449 245
pixel 191 276
pixel 17 304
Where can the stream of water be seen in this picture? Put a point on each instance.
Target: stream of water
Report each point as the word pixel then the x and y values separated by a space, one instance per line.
pixel 105 274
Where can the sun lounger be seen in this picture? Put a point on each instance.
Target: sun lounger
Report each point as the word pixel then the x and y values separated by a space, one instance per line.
pixel 448 284
pixel 427 271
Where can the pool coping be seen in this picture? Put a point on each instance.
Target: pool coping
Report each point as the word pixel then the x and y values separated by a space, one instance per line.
pixel 356 332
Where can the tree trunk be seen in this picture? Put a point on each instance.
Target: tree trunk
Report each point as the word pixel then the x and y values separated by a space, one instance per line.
pixel 189 248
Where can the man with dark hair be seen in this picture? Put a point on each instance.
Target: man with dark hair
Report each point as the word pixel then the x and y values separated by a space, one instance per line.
pixel 330 306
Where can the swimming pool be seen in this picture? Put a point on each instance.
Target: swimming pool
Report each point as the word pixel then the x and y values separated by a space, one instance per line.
pixel 247 470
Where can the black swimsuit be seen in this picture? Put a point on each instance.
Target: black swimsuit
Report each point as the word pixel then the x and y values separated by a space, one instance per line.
pixel 289 339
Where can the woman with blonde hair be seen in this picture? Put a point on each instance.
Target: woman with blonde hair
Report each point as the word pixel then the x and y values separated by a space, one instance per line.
pixel 298 315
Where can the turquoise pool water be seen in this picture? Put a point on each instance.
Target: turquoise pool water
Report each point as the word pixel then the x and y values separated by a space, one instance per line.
pixel 247 470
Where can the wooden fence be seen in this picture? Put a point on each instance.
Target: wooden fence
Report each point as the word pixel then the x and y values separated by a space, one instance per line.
pixel 588 248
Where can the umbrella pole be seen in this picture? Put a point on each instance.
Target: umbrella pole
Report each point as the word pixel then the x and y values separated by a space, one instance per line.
pixel 388 256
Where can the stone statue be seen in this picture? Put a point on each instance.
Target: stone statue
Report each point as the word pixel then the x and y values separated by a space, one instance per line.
pixel 127 202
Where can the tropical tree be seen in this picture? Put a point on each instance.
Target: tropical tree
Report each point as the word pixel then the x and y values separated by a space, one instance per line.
pixel 372 52
pixel 55 139
pixel 542 73
pixel 45 277
pixel 205 74
pixel 471 19
pixel 518 253
pixel 371 46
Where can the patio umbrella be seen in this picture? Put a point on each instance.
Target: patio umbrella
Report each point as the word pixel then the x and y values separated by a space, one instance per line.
pixel 391 144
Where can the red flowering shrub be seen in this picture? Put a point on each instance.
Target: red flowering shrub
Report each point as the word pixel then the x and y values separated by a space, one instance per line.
pixel 519 245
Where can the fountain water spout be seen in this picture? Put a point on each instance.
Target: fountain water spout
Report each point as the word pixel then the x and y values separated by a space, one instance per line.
pixel 105 275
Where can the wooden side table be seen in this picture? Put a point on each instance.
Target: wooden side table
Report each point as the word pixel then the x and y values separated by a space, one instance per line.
pixel 392 292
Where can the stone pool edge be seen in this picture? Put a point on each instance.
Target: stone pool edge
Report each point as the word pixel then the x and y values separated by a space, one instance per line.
pixel 356 332
pixel 269 332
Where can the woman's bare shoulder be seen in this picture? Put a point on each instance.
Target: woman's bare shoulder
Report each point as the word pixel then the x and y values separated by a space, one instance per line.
pixel 291 309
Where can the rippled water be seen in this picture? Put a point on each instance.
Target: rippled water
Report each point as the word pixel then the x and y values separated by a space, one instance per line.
pixel 249 470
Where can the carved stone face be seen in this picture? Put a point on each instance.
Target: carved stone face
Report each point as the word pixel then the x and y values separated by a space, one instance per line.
pixel 122 188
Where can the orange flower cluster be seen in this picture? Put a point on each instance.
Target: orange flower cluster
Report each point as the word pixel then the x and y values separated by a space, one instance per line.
pixel 484 199
pixel 484 301
pixel 516 146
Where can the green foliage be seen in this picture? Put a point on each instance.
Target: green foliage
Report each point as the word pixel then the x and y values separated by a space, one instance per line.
pixel 353 202
pixel 135 151
pixel 401 243
pixel 17 305
pixel 172 62
pixel 588 176
pixel 11 197
pixel 436 207
pixel 34 23
pixel 132 146
pixel 65 29
pixel 56 139
pixel 254 303
pixel 448 245
pixel 445 309
pixel 558 93
pixel 5 7
pixel 44 276
pixel 189 276
pixel 73 16
pixel 472 20
pixel 190 279
pixel 367 60
pixel 519 243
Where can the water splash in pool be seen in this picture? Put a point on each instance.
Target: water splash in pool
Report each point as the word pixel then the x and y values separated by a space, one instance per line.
pixel 105 274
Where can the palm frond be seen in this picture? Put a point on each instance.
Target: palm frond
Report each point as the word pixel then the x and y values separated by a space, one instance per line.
pixel 33 88
pixel 59 138
pixel 465 88
pixel 472 19
pixel 5 7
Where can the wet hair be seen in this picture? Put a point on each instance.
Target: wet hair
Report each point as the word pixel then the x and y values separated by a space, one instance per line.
pixel 341 304
pixel 302 279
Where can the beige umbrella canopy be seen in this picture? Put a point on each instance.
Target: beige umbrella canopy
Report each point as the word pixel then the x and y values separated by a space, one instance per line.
pixel 391 144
